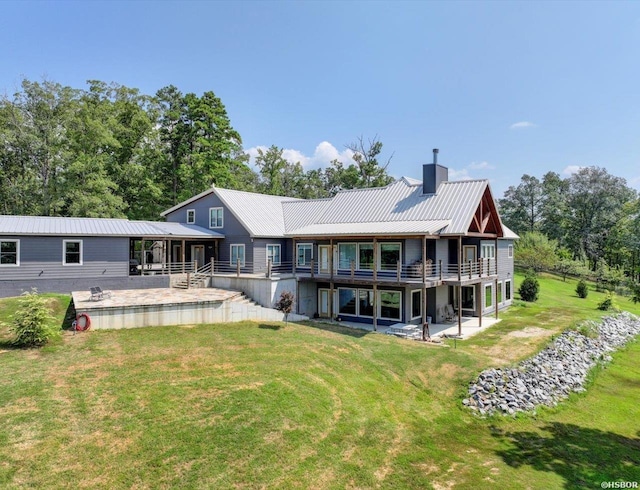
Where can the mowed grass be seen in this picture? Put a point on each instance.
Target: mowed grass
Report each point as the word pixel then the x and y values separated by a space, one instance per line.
pixel 252 405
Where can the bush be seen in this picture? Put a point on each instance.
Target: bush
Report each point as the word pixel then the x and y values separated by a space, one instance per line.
pixel 529 288
pixel 635 291
pixel 285 304
pixel 32 324
pixel 581 289
pixel 608 303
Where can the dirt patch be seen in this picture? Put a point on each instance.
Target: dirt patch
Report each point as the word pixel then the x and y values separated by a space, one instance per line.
pixel 529 332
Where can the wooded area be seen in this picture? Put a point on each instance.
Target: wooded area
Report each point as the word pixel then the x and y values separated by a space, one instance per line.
pixel 111 151
pixel 588 223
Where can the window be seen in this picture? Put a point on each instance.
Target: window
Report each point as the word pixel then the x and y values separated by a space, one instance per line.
pixel 488 296
pixel 365 256
pixel 237 254
pixel 488 250
pixel 389 256
pixel 304 254
pixel 347 301
pixel 191 216
pixel 366 302
pixel 507 290
pixel 499 294
pixel 273 254
pixel 72 252
pixel 346 254
pixel 510 251
pixel 9 252
pixel 390 303
pixel 416 304
pixel 216 217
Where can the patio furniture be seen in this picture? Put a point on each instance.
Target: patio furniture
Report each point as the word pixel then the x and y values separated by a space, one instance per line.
pixel 98 294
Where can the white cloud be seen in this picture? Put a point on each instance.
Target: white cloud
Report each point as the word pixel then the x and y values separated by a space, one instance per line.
pixel 324 153
pixel 481 166
pixel 459 174
pixel 523 125
pixel 571 169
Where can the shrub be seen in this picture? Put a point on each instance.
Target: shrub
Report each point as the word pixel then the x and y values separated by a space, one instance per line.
pixel 608 303
pixel 635 291
pixel 32 323
pixel 285 304
pixel 581 289
pixel 529 288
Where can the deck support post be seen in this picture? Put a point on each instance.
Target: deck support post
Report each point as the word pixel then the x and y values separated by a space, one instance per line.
pixel 375 307
pixel 459 309
pixel 424 280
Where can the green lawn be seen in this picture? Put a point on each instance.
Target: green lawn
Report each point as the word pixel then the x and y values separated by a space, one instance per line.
pixel 253 405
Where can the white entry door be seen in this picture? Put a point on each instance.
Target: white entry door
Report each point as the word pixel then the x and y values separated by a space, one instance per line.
pixel 324 251
pixel 323 303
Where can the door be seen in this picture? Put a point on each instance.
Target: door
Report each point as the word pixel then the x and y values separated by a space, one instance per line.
pixel 323 303
pixel 324 251
pixel 197 255
pixel 469 254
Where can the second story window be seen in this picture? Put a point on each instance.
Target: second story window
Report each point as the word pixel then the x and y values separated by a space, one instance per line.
pixel 216 217
pixel 304 254
pixel 488 251
pixel 191 216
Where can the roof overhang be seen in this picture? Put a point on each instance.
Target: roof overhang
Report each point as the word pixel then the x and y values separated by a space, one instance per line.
pixel 384 228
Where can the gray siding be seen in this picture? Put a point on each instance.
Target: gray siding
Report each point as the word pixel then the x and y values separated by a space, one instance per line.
pixel 412 251
pixel 231 225
pixel 41 258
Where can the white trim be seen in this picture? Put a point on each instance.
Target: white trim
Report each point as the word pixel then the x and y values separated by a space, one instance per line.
pixel 17 242
pixel 244 256
pixel 64 252
pixel 421 303
pixel 379 260
pixel 188 201
pixel 379 308
pixel 356 258
pixel 221 217
pixel 320 313
pixel 298 245
pixel 279 253
pixel 191 221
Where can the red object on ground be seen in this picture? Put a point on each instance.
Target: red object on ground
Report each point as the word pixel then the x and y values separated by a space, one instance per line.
pixel 83 322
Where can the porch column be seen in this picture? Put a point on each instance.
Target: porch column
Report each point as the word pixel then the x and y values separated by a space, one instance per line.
pixel 170 256
pixel 459 309
pixel 331 300
pixel 424 280
pixel 331 258
pixel 459 258
pixel 375 259
pixel 375 307
pixel 143 258
pixel 480 306
pixel 295 256
pixel 297 296
pixel 496 296
pixel 184 254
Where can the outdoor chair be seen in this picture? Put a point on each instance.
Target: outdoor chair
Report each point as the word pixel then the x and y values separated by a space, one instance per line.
pixel 448 313
pixel 105 294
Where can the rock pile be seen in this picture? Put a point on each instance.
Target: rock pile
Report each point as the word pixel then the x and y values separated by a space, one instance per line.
pixel 554 373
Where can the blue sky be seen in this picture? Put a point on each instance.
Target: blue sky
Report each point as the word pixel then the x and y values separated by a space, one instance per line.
pixel 501 88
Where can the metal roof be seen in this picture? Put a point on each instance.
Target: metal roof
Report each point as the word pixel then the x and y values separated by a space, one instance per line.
pixel 260 214
pixel 61 226
pixel 509 234
pixel 372 228
pixel 401 201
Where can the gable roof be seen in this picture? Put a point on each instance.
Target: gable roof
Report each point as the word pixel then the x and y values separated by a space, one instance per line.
pixel 398 208
pixel 260 214
pixel 112 227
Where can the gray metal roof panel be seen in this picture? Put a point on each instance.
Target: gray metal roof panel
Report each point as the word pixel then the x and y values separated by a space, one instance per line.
pixel 303 212
pixel 63 226
pixel 260 214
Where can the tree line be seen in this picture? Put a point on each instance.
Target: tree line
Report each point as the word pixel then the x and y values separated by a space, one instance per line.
pixel 587 223
pixel 112 151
